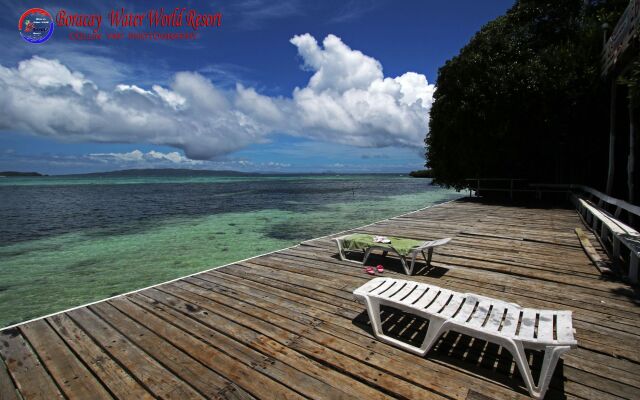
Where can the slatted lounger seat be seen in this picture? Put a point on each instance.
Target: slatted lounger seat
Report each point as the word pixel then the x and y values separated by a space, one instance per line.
pixel 401 246
pixel 505 324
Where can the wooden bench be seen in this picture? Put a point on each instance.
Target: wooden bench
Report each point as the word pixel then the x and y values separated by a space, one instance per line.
pixel 614 232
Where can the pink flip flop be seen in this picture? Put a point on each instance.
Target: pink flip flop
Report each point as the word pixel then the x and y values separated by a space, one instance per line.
pixel 380 268
pixel 369 270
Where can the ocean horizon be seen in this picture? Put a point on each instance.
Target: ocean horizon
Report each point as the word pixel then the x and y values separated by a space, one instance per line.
pixel 67 241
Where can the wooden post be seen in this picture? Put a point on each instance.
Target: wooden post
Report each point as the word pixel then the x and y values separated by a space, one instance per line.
pixel 612 137
pixel 631 159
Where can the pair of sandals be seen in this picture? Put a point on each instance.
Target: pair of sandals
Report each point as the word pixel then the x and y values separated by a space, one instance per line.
pixel 371 271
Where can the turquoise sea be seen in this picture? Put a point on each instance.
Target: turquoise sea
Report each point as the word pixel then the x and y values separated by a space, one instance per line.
pixel 69 241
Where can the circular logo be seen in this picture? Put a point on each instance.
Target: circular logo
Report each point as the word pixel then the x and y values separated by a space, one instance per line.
pixel 36 25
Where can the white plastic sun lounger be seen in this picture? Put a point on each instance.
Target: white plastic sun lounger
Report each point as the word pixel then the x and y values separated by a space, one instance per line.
pixel 505 324
pixel 408 268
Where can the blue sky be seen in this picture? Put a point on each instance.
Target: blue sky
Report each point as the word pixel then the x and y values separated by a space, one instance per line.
pixel 282 86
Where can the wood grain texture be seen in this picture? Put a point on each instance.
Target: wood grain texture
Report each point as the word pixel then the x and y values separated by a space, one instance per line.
pixel 285 325
pixel 591 252
pixel 7 389
pixel 117 379
pixel 70 374
pixel 32 379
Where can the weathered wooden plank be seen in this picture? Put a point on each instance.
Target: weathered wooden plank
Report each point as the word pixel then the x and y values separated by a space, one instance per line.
pixel 272 296
pixel 623 347
pixel 216 331
pixel 157 379
pixel 70 374
pixel 604 384
pixel 119 382
pixel 246 272
pixel 553 294
pixel 570 299
pixel 32 379
pixel 289 333
pixel 592 253
pixel 246 372
pixel 8 391
pixel 207 382
pixel 547 304
pixel 376 349
pixel 362 348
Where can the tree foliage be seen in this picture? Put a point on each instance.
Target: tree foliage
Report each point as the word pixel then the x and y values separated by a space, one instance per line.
pixel 425 173
pixel 524 98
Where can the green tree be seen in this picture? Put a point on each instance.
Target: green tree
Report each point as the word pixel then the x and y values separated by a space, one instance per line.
pixel 524 98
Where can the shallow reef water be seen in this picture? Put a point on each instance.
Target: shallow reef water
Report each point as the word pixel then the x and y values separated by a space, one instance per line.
pixel 67 242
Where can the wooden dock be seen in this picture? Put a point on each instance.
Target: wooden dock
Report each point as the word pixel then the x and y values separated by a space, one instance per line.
pixel 284 325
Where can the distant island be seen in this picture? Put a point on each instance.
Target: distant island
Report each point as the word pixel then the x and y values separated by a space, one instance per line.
pixel 184 172
pixel 162 172
pixel 19 174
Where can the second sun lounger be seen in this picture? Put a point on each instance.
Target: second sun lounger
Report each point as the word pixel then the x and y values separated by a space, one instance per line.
pixel 505 324
pixel 404 253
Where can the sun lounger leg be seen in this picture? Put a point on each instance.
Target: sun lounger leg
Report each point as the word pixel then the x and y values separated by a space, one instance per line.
pixel 343 257
pixel 408 268
pixel 404 265
pixel 551 356
pixel 343 253
pixel 367 253
pixel 517 350
pixel 413 262
pixel 430 252
pixel 373 309
pixel 435 330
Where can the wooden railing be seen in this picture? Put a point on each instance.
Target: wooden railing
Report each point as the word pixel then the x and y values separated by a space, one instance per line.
pixel 625 34
pixel 608 202
pixel 615 222
pixel 616 207
pixel 510 186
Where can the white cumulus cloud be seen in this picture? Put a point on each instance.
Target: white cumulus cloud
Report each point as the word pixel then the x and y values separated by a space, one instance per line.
pixel 192 114
pixel 347 100
pixel 137 156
